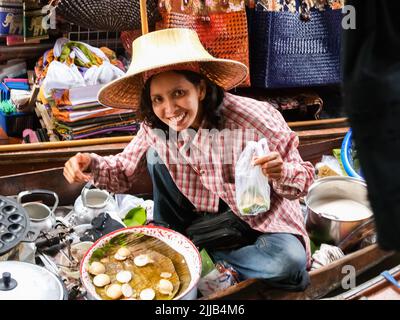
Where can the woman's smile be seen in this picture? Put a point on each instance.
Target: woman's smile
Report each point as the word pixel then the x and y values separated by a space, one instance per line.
pixel 178 119
pixel 176 101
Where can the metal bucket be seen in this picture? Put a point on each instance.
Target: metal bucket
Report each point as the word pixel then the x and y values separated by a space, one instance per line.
pixel 335 207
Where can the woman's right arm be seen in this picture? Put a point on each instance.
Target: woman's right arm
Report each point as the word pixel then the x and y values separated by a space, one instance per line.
pixel 114 173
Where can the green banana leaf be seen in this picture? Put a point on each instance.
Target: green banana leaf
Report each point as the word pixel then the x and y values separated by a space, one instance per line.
pixel 135 217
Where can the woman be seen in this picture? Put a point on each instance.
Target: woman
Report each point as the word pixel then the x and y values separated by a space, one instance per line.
pixel 192 135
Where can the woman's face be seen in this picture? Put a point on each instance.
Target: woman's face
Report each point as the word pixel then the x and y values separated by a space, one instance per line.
pixel 176 101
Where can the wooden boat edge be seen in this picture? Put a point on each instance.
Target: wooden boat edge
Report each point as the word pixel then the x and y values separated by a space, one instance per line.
pixel 361 260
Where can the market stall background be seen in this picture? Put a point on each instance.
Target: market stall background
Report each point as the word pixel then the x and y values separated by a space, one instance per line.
pixel 50 79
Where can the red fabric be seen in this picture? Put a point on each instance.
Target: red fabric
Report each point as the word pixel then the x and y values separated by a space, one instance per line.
pixel 204 183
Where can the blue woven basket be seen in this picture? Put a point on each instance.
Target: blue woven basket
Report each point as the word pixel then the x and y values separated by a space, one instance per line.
pixel 289 52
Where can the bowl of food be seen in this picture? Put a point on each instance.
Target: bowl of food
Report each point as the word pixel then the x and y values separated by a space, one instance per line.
pixel 141 263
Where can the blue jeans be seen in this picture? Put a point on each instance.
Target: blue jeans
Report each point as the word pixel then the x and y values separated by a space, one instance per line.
pixel 278 258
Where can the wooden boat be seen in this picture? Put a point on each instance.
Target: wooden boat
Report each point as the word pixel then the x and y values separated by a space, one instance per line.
pixel 316 137
pixel 323 280
pixel 378 288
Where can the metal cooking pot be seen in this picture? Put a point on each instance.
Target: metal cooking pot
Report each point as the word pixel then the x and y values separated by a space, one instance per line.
pixel 92 202
pixel 335 207
pixel 41 217
pixel 26 281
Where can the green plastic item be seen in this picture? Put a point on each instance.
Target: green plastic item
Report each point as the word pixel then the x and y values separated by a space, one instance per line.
pixel 7 107
pixel 207 265
pixel 135 217
pixel 337 155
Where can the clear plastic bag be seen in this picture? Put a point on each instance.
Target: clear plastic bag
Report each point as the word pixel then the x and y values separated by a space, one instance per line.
pixel 252 188
pixel 329 166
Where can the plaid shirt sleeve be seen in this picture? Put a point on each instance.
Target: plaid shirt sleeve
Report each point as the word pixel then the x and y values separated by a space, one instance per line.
pixel 115 173
pixel 297 175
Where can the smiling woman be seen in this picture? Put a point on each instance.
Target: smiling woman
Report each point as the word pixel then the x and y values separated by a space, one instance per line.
pixel 176 101
pixel 186 92
pixel 176 85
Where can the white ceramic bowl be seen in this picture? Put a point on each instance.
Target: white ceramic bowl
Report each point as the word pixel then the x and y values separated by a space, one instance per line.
pixel 175 240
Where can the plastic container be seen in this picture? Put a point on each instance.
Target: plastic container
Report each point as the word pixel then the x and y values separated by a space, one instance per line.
pixel 346 155
pixel 14 124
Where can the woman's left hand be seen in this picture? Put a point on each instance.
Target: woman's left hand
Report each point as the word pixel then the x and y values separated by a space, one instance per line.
pixel 271 165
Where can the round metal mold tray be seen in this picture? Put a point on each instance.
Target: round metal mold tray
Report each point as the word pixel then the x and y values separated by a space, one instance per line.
pixel 14 224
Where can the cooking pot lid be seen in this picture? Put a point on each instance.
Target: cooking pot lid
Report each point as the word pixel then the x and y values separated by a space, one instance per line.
pixel 14 224
pixel 26 281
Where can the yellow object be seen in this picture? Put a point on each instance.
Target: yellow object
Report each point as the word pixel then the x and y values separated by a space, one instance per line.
pixel 109 53
pixel 41 97
pixel 325 171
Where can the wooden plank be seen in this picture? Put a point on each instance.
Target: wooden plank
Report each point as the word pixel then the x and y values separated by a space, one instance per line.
pixel 31 160
pixel 27 51
pixel 296 126
pixel 323 280
pixel 313 151
pixel 376 288
pixel 327 123
pixel 25 161
pixel 29 157
pixel 44 179
pixel 64 144
pixel 305 135
pixel 53 179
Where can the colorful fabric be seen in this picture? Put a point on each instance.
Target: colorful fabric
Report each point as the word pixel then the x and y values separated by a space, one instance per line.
pixel 298 5
pixel 71 116
pixel 204 176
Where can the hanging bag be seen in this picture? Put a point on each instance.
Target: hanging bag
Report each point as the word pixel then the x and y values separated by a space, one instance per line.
pixel 220 24
pixel 293 46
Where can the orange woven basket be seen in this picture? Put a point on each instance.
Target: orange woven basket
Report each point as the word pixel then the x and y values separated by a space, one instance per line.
pixel 223 34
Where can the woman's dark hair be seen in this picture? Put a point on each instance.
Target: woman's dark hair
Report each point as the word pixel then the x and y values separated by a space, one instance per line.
pixel 211 103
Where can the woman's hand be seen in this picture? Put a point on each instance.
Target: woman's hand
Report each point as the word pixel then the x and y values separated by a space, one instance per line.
pixel 75 166
pixel 271 165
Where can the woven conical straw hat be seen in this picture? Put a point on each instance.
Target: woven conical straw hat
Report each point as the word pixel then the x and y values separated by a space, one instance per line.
pixel 164 48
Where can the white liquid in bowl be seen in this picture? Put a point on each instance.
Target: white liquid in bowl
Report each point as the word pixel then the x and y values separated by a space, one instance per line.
pixel 342 209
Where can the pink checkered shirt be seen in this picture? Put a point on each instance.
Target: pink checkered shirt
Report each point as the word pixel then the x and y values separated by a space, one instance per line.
pixel 203 164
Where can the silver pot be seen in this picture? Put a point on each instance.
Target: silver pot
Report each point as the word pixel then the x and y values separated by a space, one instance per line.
pixel 41 217
pixel 26 281
pixel 92 202
pixel 335 207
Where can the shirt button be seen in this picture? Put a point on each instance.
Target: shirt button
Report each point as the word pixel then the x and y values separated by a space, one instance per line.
pixel 202 171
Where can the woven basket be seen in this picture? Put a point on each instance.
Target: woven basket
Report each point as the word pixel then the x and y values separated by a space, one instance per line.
pixel 127 37
pixel 106 15
pixel 289 52
pixel 223 34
